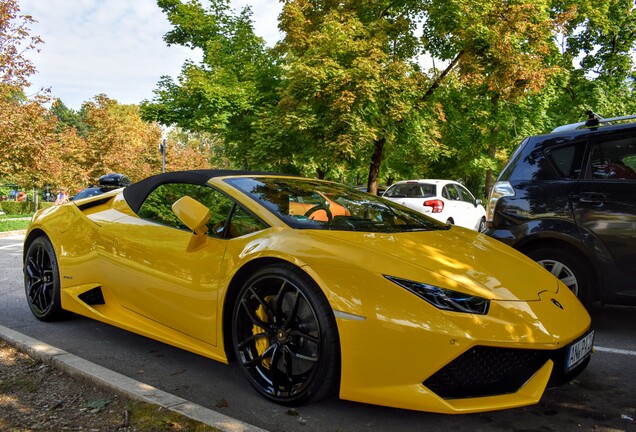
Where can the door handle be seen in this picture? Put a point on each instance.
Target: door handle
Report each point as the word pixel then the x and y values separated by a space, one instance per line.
pixel 592 198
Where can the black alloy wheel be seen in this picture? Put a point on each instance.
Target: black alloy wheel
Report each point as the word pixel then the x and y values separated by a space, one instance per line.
pixel 285 336
pixel 42 281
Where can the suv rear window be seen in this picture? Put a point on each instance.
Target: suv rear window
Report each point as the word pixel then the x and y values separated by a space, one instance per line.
pixel 545 160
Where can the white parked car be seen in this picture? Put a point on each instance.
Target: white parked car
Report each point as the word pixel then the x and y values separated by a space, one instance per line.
pixel 444 200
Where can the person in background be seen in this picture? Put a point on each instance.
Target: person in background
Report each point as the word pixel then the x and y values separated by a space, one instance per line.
pixel 62 197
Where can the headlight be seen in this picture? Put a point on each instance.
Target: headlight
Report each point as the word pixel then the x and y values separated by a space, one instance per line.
pixel 499 190
pixel 443 298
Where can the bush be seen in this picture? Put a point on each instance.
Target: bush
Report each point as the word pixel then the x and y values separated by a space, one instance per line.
pixel 44 204
pixel 16 208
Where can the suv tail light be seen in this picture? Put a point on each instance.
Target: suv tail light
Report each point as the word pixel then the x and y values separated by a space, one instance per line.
pixel 438 205
pixel 499 190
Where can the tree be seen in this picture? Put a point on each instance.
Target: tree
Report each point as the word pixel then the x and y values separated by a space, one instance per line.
pixel 597 61
pixel 223 93
pixel 119 140
pixel 25 130
pixel 343 94
pixel 351 86
pixel 505 50
pixel 15 41
pixel 192 150
pixel 69 118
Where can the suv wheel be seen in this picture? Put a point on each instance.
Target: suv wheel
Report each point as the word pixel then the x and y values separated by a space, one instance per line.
pixel 566 267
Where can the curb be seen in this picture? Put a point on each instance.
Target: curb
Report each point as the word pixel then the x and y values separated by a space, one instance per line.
pixel 121 384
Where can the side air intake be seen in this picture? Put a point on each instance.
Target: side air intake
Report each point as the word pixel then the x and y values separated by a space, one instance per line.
pixel 93 297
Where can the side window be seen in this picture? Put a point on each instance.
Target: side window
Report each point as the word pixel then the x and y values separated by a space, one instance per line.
pixel 614 160
pixel 158 205
pixel 465 195
pixel 567 160
pixel 242 223
pixel 450 193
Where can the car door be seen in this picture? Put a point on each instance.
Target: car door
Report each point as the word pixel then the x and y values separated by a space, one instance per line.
pixel 454 208
pixel 471 212
pixel 605 208
pixel 154 273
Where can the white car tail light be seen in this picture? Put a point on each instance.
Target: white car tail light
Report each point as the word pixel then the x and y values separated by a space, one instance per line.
pixel 437 205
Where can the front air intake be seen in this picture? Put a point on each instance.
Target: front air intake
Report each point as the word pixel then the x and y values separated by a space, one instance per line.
pixel 487 371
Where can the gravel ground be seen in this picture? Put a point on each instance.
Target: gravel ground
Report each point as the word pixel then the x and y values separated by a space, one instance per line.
pixel 37 397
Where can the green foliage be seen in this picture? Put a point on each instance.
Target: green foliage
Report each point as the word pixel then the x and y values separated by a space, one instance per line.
pixel 603 37
pixel 343 95
pixel 223 93
pixel 69 118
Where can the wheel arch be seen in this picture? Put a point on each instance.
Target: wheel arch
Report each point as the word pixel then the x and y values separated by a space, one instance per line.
pixel 33 234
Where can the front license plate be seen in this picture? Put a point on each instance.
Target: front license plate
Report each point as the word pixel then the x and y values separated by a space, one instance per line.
pixel 579 350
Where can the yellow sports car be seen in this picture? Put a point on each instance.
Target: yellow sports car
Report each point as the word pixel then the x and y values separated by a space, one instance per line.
pixel 355 294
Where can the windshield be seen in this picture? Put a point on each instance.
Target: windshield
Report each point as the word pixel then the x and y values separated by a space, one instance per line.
pixel 315 204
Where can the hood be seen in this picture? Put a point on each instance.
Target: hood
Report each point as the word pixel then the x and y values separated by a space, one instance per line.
pixel 457 259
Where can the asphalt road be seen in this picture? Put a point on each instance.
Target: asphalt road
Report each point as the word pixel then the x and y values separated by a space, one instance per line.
pixel 599 399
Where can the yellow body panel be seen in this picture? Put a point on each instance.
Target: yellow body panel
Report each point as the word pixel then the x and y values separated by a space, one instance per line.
pixel 391 340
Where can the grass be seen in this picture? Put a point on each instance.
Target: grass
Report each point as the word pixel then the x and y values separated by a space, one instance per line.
pixel 14 222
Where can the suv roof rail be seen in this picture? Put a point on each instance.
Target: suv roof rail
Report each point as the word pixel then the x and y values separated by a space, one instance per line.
pixel 593 120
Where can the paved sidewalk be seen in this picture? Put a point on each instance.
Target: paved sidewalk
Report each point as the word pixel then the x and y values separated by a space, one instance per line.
pixel 17 234
pixel 122 384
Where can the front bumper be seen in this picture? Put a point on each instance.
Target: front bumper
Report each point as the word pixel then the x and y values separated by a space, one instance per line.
pixel 478 363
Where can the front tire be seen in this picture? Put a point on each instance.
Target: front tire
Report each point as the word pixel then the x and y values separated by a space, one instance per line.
pixel 567 268
pixel 284 336
pixel 42 281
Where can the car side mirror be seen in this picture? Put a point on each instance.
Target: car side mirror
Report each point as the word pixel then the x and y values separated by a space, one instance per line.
pixel 477 202
pixel 193 214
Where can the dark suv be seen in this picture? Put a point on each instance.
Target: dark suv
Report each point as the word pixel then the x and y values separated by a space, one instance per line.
pixel 105 183
pixel 568 200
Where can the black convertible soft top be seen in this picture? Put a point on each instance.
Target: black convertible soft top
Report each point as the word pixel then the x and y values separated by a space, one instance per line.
pixel 136 193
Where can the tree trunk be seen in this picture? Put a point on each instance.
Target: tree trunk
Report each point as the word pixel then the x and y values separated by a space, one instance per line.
pixel 492 143
pixel 321 173
pixel 374 169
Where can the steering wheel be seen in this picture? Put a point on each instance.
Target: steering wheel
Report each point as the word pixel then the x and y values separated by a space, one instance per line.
pixel 318 207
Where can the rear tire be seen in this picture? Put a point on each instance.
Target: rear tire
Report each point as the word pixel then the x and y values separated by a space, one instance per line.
pixel 42 281
pixel 285 337
pixel 566 267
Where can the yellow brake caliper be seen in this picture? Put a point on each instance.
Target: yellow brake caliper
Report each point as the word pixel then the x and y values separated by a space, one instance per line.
pixel 262 343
